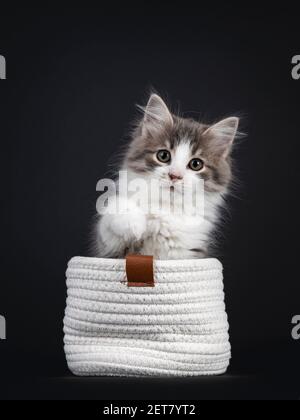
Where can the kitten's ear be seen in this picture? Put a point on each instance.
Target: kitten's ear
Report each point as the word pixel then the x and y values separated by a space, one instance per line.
pixel 157 115
pixel 222 135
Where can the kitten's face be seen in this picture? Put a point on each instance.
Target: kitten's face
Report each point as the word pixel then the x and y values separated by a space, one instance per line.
pixel 176 150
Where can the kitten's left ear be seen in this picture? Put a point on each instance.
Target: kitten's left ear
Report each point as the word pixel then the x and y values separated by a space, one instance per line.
pixel 223 134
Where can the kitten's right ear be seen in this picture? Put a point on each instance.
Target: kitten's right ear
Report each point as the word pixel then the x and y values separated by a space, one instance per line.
pixel 157 116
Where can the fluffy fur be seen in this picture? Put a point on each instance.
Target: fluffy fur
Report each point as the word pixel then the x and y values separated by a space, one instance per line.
pixel 166 235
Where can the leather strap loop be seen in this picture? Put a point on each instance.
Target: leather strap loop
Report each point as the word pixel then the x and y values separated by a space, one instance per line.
pixel 140 271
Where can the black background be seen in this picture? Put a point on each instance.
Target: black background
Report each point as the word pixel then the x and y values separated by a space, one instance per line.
pixel 73 78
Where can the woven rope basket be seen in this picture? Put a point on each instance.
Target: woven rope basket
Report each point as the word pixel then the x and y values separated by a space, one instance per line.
pixel 176 326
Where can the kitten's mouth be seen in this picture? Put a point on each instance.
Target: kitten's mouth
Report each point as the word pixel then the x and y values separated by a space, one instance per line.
pixel 171 185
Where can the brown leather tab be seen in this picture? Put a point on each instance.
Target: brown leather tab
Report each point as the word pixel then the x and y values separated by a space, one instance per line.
pixel 140 271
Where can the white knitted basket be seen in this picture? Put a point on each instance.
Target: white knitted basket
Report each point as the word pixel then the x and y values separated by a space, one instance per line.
pixel 177 328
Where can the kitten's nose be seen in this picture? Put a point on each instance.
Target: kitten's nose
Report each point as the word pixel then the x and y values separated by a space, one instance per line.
pixel 174 176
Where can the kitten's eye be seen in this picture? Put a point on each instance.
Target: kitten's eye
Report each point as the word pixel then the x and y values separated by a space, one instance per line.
pixel 196 165
pixel 164 156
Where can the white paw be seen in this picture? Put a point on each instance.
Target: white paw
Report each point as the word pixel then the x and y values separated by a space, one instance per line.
pixel 130 227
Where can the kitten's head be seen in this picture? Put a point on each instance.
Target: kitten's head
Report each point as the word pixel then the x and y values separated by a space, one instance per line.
pixel 174 149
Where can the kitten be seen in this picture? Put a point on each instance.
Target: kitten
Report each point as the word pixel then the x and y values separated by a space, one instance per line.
pixel 172 150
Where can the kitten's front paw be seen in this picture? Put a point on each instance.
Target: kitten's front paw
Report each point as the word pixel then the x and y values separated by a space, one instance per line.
pixel 131 227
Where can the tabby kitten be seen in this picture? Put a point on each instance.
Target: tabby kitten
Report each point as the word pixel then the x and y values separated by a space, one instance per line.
pixel 174 151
